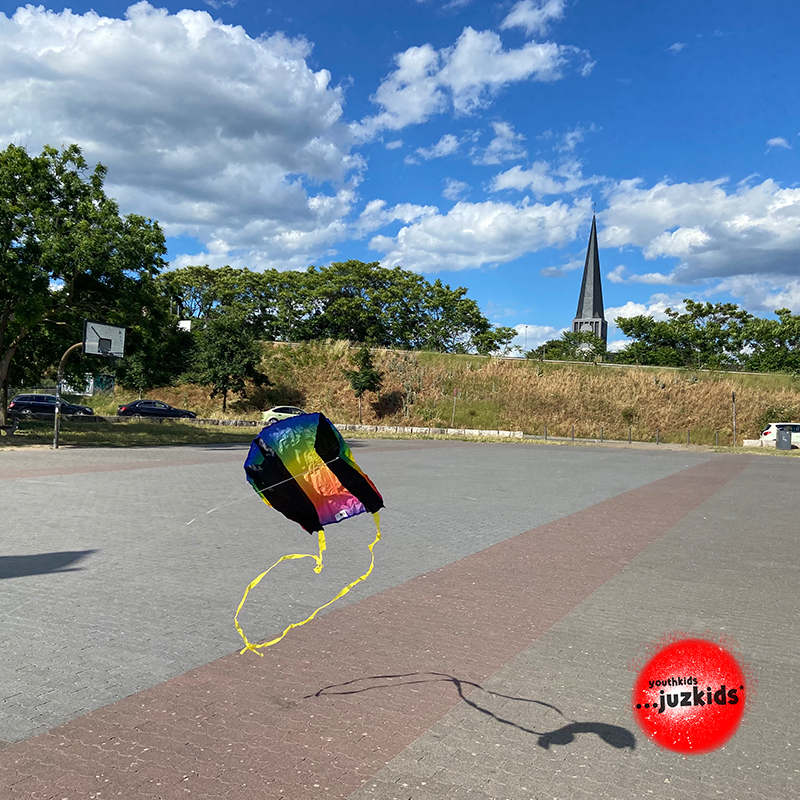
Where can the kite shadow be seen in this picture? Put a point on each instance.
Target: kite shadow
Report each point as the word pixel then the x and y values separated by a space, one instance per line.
pixel 41 563
pixel 614 735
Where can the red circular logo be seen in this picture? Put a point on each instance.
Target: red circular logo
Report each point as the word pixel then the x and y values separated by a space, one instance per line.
pixel 690 696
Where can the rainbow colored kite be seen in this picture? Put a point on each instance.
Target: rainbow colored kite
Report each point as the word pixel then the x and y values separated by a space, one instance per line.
pixel 303 468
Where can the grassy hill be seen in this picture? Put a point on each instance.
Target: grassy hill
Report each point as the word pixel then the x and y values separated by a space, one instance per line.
pixel 508 394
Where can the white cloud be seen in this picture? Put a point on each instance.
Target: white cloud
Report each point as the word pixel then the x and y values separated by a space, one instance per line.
pixel 574 137
pixel 778 141
pixel 454 190
pixel 654 307
pixel 543 179
pixel 472 235
pixel 762 293
pixel 557 272
pixel 214 133
pixel 534 16
pixel 397 143
pixel 376 215
pixel 529 337
pixel 621 274
pixel 466 76
pixel 677 47
pixel 506 146
pixel 715 233
pixel 446 146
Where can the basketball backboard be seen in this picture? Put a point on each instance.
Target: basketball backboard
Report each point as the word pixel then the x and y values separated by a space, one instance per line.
pixel 103 340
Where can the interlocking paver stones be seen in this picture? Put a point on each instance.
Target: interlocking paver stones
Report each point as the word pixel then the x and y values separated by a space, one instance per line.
pixel 451 636
pixel 154 577
pixel 726 568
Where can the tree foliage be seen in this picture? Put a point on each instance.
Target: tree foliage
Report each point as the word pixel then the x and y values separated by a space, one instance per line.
pixel 65 254
pixel 227 355
pixel 366 378
pixel 348 300
pixel 572 346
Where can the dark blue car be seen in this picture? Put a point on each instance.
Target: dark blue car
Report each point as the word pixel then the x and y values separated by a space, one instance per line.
pixel 153 408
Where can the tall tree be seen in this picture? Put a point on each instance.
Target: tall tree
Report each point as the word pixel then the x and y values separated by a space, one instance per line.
pixel 65 252
pixel 227 356
pixel 364 379
pixel 706 335
pixel 572 346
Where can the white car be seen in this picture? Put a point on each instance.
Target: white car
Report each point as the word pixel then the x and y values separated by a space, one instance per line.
pixel 280 412
pixel 770 433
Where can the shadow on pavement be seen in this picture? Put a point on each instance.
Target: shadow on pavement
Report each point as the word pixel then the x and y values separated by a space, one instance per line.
pixel 41 563
pixel 614 735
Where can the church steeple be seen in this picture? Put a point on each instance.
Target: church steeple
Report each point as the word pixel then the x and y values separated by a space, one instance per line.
pixel 590 315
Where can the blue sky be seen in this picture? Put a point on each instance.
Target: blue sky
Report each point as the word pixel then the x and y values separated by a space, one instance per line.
pixel 466 140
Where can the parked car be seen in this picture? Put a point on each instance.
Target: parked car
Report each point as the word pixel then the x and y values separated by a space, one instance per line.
pixel 44 405
pixel 280 412
pixel 153 408
pixel 770 433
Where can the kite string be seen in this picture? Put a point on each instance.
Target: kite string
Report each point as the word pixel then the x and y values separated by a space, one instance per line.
pixel 318 559
pixel 247 494
pixel 299 475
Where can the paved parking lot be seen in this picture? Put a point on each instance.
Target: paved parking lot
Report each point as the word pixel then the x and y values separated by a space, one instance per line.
pixel 487 656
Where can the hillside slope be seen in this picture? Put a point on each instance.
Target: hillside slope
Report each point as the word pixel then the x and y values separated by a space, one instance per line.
pixel 522 395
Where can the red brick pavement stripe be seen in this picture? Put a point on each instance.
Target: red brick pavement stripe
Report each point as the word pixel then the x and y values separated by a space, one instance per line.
pixel 244 727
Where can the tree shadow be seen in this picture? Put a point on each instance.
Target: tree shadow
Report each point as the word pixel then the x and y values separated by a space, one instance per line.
pixel 614 735
pixel 388 404
pixel 41 563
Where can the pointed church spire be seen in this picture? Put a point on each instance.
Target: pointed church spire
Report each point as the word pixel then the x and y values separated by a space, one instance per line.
pixel 590 315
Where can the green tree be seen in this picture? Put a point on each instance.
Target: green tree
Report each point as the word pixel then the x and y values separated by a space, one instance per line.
pixel 65 254
pixel 349 300
pixel 364 379
pixel 572 346
pixel 227 355
pixel 773 345
pixel 706 335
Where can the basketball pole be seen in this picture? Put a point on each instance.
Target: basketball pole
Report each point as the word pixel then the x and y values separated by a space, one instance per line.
pixel 59 381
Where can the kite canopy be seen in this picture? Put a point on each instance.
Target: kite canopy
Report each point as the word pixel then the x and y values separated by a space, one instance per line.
pixel 303 468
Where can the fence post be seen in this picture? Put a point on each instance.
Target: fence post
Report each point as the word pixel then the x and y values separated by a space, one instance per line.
pixel 601 433
pixel 658 434
pixel 688 430
pixel 716 438
pixel 545 432
pixel 629 434
pixel 573 433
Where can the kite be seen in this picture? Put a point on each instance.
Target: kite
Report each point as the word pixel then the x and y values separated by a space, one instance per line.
pixel 303 468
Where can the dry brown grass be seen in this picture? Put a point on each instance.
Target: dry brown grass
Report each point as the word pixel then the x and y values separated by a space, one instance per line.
pixel 511 395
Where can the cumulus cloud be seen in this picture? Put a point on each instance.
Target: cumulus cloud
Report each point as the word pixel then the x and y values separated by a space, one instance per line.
pixel 542 178
pixel 218 135
pixel 655 307
pixel 505 146
pixel 465 76
pixel 454 190
pixel 472 235
pixel 534 16
pixel 714 232
pixel 394 145
pixel 778 141
pixel 762 293
pixel 677 47
pixel 446 146
pixel 376 215
pixel 529 337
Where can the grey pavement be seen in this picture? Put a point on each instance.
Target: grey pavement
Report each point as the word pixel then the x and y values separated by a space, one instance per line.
pixel 156 578
pixel 148 581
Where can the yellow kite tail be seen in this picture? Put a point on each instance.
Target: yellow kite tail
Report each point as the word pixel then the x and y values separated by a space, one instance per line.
pixel 318 558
